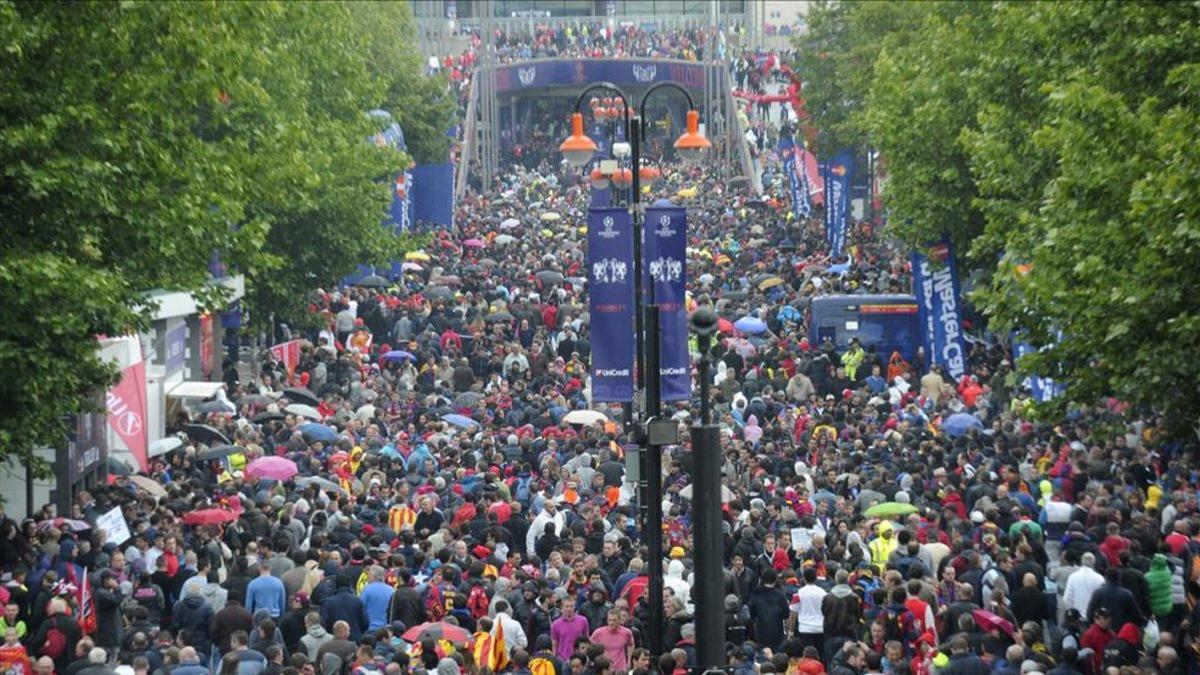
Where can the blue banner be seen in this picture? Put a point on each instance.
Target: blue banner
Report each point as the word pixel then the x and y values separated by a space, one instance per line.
pixel 574 72
pixel 939 306
pixel 1041 388
pixel 610 302
pixel 434 200
pixel 793 169
pixel 838 176
pixel 402 207
pixel 665 266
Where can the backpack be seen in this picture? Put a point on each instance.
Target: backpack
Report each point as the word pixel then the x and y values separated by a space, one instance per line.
pixel 55 644
pixel 477 602
pixel 900 626
pixel 434 608
pixel 523 491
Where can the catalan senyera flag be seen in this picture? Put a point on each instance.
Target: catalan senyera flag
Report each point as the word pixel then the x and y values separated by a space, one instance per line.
pixel 401 515
pixel 498 654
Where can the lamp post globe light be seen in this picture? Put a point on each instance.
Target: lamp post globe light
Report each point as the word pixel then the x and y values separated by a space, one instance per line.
pixel 691 147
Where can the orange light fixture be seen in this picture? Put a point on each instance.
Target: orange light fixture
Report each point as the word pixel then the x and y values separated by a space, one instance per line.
pixel 622 178
pixel 649 172
pixel 692 145
pixel 599 179
pixel 578 149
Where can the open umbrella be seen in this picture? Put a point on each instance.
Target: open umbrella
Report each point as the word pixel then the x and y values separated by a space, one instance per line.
pixel 474 242
pixel 202 433
pixel 274 468
pixel 551 216
pixel 304 411
pixel 151 486
pixel 322 483
pixel 960 424
pixel 164 445
pixel 767 284
pixel 498 317
pixel 118 467
pixel 890 510
pixel 412 267
pixel 460 420
pixel 726 494
pixel 314 432
pixel 725 326
pixel 989 621
pixel 488 262
pixel 585 417
pixel 505 239
pixel 417 256
pixel 751 325
pixel 219 452
pixel 61 523
pixel 467 399
pixel 550 277
pixel 372 281
pixel 435 631
pixel 438 293
pixel 301 395
pixel 268 417
pixel 399 355
pixel 509 223
pixel 209 517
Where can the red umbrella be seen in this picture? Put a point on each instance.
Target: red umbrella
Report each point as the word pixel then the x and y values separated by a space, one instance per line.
pixel 209 517
pixel 989 621
pixel 437 630
pixel 725 326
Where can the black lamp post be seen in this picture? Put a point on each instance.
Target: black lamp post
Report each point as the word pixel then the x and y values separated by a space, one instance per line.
pixel 708 591
pixel 691 146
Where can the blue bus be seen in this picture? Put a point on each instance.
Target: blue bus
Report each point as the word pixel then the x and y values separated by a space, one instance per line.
pixel 887 322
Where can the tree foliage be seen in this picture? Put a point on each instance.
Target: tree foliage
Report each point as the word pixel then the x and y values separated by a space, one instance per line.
pixel 1050 141
pixel 140 138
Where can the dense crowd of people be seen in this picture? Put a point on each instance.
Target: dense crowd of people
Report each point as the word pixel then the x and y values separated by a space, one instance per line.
pixel 429 503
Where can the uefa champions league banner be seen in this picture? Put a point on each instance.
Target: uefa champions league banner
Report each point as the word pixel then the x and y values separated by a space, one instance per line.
pixel 838 176
pixel 939 307
pixel 1042 389
pixel 401 209
pixel 610 302
pixel 665 266
pixel 801 207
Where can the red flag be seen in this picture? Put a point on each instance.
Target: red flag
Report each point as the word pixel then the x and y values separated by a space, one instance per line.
pixel 287 353
pixel 498 655
pixel 126 404
pixel 85 607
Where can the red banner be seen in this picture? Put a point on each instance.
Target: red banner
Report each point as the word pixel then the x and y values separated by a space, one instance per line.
pixel 206 345
pixel 816 184
pixel 126 404
pixel 287 353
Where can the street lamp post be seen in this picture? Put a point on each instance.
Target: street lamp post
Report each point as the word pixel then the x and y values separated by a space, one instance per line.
pixel 579 150
pixel 708 591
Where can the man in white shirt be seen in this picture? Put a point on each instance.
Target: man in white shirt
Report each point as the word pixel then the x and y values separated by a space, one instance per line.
pixel 1082 583
pixel 514 634
pixel 806 617
pixel 549 514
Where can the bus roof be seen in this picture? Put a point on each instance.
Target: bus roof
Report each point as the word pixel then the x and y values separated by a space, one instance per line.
pixel 885 299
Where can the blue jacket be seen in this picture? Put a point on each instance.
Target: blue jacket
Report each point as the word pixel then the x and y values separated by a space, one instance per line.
pixel 345 606
pixel 377 600
pixel 266 592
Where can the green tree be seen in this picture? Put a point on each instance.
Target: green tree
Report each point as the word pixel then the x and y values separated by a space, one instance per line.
pixel 424 106
pixel 1051 137
pixel 835 60
pixel 137 139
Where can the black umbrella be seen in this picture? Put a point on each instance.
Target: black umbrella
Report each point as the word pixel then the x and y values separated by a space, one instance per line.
pixel 734 295
pixel 118 468
pixel 268 417
pixel 438 293
pixel 255 399
pixel 550 277
pixel 373 281
pixel 301 395
pixel 202 433
pixel 218 452
pixel 498 317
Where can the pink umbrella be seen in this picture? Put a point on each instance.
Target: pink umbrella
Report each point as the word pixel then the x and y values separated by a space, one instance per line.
pixel 474 243
pixel 273 468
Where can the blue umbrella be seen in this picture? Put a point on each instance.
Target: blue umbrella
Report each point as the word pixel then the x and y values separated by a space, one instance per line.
pixel 460 421
pixel 318 432
pixel 398 355
pixel 959 424
pixel 751 325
